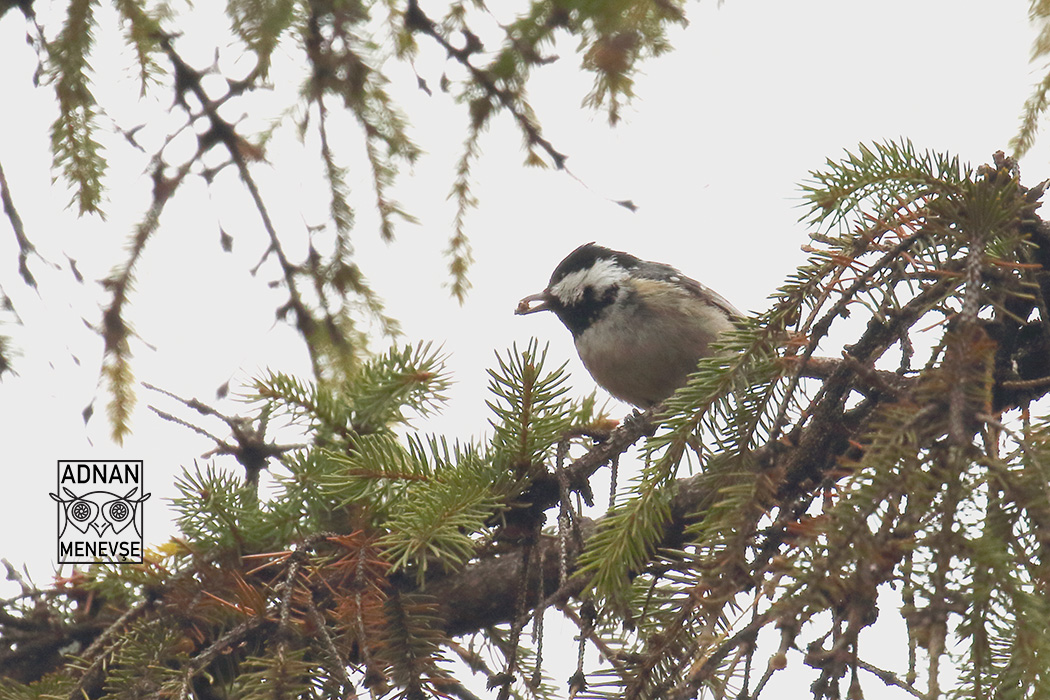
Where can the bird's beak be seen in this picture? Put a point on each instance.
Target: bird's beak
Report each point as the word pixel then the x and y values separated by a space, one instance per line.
pixel 525 306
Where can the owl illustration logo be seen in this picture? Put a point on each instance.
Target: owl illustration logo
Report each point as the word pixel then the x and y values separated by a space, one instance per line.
pixel 99 511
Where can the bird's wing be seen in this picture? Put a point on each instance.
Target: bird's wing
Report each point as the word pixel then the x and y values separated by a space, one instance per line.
pixel 660 271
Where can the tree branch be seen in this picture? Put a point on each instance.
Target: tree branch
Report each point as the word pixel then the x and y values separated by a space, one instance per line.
pixel 417 20
pixel 25 246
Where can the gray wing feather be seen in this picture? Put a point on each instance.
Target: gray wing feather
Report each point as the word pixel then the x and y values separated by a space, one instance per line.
pixel 659 271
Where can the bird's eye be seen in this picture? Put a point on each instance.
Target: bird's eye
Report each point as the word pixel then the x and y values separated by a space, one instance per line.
pixel 80 511
pixel 118 510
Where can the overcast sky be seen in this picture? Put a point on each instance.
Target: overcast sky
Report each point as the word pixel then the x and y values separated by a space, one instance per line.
pixel 757 94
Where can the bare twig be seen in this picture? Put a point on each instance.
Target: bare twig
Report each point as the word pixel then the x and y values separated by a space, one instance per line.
pixel 416 19
pixel 889 678
pixel 221 131
pixel 25 246
pixel 250 447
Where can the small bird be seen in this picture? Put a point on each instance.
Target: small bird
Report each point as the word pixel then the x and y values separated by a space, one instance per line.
pixel 640 327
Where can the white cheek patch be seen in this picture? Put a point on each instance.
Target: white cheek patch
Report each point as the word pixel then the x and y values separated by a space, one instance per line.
pixel 599 277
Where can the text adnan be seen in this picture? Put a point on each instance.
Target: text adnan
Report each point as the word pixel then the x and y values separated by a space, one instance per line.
pixel 100 473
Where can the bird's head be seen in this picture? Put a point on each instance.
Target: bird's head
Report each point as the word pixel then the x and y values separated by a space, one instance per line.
pixel 586 282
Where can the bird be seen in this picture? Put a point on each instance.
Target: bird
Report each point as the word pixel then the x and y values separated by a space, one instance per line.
pixel 640 327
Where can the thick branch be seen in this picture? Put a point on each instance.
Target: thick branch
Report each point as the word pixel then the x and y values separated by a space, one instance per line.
pixel 484 593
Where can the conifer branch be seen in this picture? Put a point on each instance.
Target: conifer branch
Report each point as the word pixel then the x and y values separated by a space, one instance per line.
pixel 115 330
pixel 73 133
pixel 337 663
pixel 221 645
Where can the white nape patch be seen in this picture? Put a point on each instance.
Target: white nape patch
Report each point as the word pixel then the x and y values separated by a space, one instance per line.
pixel 599 277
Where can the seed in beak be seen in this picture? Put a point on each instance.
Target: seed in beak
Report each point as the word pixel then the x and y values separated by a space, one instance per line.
pixel 525 306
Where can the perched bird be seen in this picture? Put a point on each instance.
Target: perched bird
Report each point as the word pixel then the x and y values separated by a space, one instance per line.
pixel 640 327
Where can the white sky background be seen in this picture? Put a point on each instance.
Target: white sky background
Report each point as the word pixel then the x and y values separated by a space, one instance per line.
pixel 757 94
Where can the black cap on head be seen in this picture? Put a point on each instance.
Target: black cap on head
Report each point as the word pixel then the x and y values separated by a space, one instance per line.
pixel 586 255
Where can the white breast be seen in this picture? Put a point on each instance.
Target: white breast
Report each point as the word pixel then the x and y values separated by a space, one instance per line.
pixel 641 354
